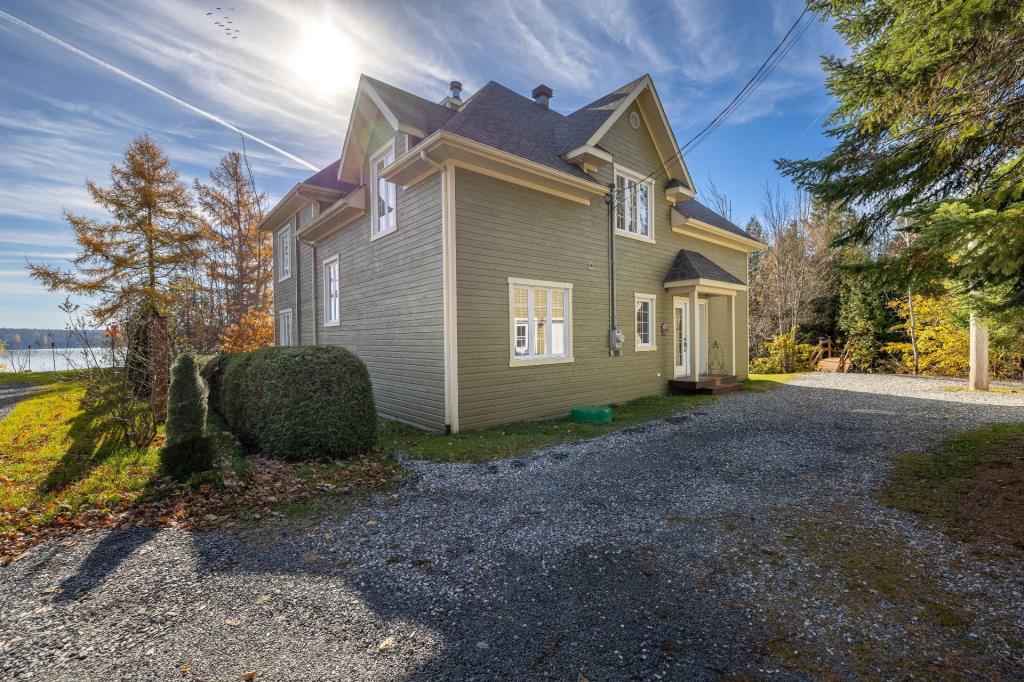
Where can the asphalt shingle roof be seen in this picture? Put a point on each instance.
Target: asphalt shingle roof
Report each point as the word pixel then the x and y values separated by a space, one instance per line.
pixel 691 208
pixel 328 177
pixel 411 109
pixel 693 265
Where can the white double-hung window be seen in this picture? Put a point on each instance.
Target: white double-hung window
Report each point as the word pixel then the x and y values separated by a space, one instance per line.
pixel 332 292
pixel 284 327
pixel 540 322
pixel 633 195
pixel 284 253
pixel 644 306
pixel 385 194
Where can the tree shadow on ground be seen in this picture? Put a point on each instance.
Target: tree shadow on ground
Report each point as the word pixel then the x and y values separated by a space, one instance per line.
pixel 606 564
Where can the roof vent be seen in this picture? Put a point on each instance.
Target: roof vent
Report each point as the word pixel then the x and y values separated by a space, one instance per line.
pixel 542 94
pixel 453 100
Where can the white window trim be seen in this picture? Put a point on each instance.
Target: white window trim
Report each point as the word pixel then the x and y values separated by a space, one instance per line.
pixel 280 314
pixel 374 234
pixel 333 260
pixel 555 360
pixel 291 247
pixel 653 300
pixel 638 178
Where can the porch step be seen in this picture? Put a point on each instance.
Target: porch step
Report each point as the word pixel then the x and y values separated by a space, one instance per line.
pixel 705 385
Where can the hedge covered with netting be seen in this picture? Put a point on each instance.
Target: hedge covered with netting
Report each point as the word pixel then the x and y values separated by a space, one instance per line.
pixel 303 402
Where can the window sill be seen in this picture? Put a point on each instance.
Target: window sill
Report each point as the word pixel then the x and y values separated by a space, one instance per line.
pixel 332 324
pixel 540 361
pixel 284 279
pixel 632 235
pixel 641 349
pixel 377 235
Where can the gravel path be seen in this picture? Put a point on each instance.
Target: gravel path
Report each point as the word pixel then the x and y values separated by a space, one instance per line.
pixel 741 539
pixel 11 395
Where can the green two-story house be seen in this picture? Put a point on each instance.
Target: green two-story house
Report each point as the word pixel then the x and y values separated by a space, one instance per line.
pixel 492 260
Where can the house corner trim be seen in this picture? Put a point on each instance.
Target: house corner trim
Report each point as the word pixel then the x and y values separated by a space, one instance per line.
pixel 449 281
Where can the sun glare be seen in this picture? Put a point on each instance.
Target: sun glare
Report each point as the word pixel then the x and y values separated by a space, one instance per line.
pixel 325 59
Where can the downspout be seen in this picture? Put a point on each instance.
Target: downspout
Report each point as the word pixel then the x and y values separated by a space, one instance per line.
pixel 614 335
pixel 312 279
pixel 297 259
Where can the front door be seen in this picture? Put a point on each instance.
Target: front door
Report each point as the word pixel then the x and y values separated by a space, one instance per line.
pixel 681 345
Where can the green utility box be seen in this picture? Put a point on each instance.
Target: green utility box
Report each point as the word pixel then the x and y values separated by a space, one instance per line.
pixel 592 414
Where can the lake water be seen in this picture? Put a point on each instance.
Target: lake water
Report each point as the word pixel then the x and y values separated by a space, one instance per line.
pixel 44 360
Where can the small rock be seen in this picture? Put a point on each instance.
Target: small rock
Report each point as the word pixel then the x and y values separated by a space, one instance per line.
pixel 386 644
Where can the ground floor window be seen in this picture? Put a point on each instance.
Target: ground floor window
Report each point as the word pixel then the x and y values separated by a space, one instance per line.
pixel 644 306
pixel 540 321
pixel 284 327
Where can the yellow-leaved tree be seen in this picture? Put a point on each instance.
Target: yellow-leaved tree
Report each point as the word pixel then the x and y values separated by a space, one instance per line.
pixel 254 331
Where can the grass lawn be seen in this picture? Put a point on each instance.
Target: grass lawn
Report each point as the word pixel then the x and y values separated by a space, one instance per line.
pixel 59 475
pixel 510 440
pixel 54 460
pixel 991 389
pixel 972 487
pixel 765 382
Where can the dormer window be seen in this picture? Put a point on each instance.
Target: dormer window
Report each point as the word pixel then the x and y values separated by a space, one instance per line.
pixel 385 194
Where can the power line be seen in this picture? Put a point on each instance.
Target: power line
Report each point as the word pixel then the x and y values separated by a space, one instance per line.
pixel 766 68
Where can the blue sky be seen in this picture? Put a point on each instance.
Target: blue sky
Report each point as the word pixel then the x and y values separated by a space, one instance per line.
pixel 290 76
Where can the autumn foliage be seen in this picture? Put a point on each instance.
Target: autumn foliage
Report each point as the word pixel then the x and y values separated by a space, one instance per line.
pixel 254 331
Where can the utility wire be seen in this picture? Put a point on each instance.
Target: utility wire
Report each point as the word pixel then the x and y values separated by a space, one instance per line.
pixel 766 68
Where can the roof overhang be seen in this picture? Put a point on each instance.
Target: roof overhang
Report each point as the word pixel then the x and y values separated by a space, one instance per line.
pixel 653 113
pixel 336 217
pixel 705 286
pixel 297 197
pixel 367 106
pixel 588 158
pixel 700 230
pixel 442 147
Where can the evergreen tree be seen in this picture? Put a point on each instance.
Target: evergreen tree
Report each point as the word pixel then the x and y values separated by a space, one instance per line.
pixel 128 262
pixel 930 127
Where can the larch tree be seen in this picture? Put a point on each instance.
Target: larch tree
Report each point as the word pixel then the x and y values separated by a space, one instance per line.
pixel 239 260
pixel 128 262
pixel 929 129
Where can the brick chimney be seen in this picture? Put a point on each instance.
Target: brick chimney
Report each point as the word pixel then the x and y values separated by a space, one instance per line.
pixel 542 94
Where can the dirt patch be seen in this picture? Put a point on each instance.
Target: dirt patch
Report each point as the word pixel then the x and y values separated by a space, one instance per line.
pixel 972 488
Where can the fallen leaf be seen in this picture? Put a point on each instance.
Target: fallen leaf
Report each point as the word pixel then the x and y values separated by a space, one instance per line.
pixel 263 599
pixel 249 675
pixel 386 644
pixel 233 622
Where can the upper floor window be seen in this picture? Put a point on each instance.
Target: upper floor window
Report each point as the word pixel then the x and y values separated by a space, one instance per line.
pixel 540 321
pixel 385 194
pixel 633 196
pixel 332 292
pixel 284 252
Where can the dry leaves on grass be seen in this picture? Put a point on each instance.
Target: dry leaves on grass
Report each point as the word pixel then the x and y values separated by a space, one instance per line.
pixel 273 485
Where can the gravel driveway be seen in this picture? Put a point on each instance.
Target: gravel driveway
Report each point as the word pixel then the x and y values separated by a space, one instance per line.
pixel 739 540
pixel 12 394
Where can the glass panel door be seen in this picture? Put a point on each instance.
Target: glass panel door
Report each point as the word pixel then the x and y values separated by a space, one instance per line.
pixel 681 341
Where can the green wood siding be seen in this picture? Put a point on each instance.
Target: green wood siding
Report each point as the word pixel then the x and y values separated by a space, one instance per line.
pixel 504 230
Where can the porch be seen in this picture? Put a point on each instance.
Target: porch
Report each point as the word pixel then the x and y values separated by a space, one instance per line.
pixel 704 325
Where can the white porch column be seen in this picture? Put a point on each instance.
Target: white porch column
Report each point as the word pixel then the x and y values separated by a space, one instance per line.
pixel 732 333
pixel 694 341
pixel 978 380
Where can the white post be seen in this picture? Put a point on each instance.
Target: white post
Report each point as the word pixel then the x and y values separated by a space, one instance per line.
pixel 732 334
pixel 694 341
pixel 978 380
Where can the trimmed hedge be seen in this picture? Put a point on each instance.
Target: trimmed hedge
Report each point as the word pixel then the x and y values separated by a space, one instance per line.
pixel 186 450
pixel 304 402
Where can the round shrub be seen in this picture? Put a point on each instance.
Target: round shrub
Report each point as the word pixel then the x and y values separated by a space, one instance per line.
pixel 306 402
pixel 186 450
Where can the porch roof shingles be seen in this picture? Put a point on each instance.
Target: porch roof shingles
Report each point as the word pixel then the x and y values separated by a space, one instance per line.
pixel 691 208
pixel 690 265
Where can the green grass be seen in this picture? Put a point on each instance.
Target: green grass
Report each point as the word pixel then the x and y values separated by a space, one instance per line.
pixel 54 459
pixel 511 440
pixel 35 378
pixel 764 382
pixel 967 485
